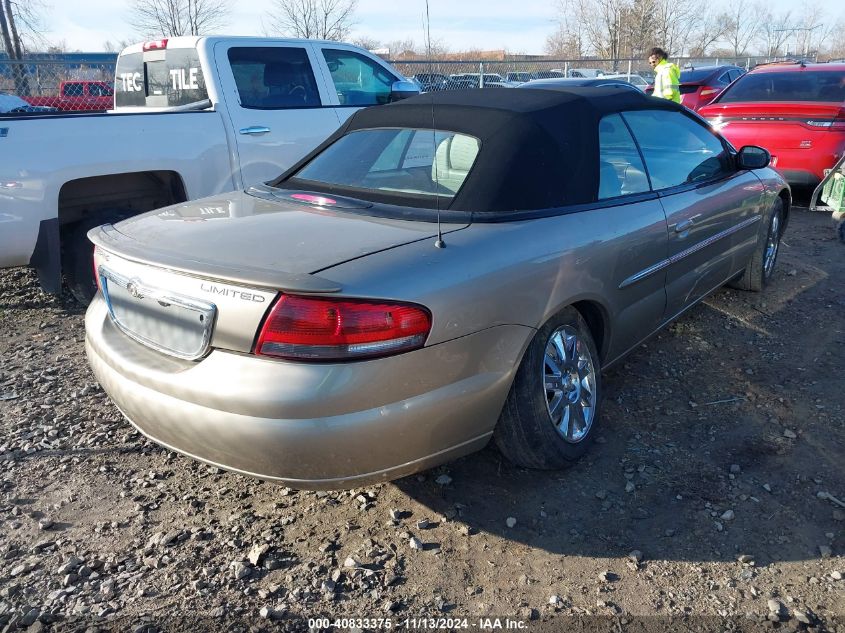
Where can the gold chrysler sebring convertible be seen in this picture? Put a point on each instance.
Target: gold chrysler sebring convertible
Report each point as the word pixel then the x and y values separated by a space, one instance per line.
pixel 448 269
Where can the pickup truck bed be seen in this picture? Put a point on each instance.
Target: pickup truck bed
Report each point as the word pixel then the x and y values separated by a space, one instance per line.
pixel 193 117
pixel 189 159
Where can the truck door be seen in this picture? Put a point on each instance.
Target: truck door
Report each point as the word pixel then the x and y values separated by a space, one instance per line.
pixel 278 105
pixel 356 78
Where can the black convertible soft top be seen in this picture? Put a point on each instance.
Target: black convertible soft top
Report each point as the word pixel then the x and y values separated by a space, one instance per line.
pixel 539 148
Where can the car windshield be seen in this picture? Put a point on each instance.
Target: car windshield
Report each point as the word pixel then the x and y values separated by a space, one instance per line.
pixel 823 86
pixel 398 160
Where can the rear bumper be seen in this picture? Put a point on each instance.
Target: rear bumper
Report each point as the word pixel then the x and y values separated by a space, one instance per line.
pixel 312 425
pixel 798 166
pixel 800 178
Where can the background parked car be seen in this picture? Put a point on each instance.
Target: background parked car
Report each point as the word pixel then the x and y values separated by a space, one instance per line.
pixel 576 82
pixel 12 104
pixel 491 80
pixel 429 82
pixel 585 72
pixel 548 74
pixel 519 77
pixel 634 79
pixel 79 96
pixel 795 110
pixel 699 86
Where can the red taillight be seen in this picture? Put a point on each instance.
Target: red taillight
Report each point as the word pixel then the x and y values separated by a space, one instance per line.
pixel 322 328
pixel 709 92
pixel 96 272
pixel 839 121
pixel 155 45
pixel 832 125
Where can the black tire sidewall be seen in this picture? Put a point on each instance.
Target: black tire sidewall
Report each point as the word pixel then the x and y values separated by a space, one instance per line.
pixel 777 211
pixel 78 254
pixel 545 447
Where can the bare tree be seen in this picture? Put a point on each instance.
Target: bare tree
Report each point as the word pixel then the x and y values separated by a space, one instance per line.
pixel 565 43
pixel 813 29
pixel 775 30
pixel 678 26
pixel 641 20
pixel 742 22
pixel 367 42
pixel 836 49
pixel 620 29
pixel 568 41
pixel 711 28
pixel 19 25
pixel 116 46
pixel 401 48
pixel 165 18
pixel 313 19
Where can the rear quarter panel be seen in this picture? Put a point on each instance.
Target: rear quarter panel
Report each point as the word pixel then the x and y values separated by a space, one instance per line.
pixel 524 272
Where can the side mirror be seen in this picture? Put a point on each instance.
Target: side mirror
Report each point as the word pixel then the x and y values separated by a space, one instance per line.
pixel 753 157
pixel 403 89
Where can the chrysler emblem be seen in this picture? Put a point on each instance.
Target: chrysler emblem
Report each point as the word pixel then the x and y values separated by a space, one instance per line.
pixel 132 287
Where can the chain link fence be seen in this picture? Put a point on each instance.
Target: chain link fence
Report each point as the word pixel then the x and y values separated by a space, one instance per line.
pixel 40 84
pixel 449 74
pixel 85 81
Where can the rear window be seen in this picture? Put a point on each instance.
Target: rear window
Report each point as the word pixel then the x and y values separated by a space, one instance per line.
pixel 398 161
pixel 159 78
pixel 824 86
pixel 695 74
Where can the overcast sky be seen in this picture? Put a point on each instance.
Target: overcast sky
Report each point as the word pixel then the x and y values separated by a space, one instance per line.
pixel 519 27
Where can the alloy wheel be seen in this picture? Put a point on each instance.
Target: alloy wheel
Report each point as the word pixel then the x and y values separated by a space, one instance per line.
pixel 772 244
pixel 570 381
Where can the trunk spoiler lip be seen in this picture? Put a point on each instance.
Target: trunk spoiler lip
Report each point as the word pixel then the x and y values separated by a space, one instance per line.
pixel 113 241
pixel 839 166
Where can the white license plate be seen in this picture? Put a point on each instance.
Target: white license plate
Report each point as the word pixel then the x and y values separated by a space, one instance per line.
pixel 170 323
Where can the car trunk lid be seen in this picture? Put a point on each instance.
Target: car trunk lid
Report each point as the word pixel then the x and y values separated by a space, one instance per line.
pixel 276 244
pixel 776 125
pixel 200 275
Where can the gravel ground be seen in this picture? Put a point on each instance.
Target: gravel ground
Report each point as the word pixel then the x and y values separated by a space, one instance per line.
pixel 713 500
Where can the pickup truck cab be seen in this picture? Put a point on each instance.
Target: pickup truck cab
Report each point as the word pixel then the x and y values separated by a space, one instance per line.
pixel 193 117
pixel 78 96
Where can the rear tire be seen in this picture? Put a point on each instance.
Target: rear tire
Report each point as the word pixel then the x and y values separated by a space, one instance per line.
pixel 760 267
pixel 550 417
pixel 78 254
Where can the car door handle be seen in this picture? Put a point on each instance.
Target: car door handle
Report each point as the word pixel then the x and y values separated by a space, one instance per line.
pixel 254 130
pixel 680 227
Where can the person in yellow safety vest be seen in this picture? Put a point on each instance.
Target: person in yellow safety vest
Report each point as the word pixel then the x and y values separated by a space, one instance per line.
pixel 667 76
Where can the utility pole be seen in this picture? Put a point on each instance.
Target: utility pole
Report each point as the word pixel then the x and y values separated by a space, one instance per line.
pixel 808 29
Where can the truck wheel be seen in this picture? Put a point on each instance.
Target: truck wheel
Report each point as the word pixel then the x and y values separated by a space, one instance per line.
pixel 78 254
pixel 760 266
pixel 550 416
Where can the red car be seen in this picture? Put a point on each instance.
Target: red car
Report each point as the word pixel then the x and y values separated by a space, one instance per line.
pixel 795 110
pixel 699 86
pixel 78 96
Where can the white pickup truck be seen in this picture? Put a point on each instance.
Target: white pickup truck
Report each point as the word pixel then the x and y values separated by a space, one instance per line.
pixel 193 116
